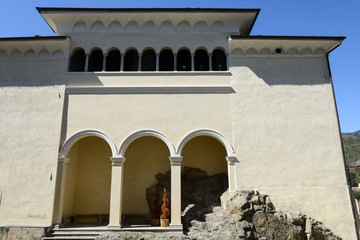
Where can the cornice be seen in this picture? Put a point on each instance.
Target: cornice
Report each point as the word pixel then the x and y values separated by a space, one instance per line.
pixel 282 45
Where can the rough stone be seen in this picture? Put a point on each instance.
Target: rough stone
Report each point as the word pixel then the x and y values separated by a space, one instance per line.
pixel 23 233
pixel 199 193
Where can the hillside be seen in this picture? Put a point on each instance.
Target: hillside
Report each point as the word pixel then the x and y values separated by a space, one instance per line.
pixel 351 142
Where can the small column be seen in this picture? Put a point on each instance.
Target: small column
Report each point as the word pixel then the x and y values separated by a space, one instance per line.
pixel 116 192
pixel 210 62
pixel 227 62
pixel 157 62
pixel 104 63
pixel 175 63
pixel 231 172
pixel 176 192
pixel 192 62
pixel 139 63
pixel 122 62
pixel 86 62
pixel 60 190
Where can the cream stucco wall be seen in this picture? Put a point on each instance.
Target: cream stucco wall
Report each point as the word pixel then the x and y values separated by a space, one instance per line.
pixel 287 142
pixel 175 115
pixel 32 95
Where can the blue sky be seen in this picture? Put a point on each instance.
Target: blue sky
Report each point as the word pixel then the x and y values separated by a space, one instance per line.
pixel 277 17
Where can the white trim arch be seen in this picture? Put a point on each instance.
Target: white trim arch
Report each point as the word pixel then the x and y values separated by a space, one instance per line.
pixel 87 133
pixel 144 133
pixel 229 150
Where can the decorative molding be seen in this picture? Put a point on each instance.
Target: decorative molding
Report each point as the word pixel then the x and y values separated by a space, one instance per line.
pixel 149 90
pixel 229 150
pixel 63 160
pixel 175 160
pixel 143 133
pixel 87 133
pixel 117 161
pixel 231 160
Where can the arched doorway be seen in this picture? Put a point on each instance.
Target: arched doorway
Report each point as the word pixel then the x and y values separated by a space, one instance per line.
pixel 146 157
pixel 87 182
pixel 203 178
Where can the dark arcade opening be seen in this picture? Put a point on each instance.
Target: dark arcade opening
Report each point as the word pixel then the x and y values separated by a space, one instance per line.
pixel 113 61
pixel 166 60
pixel 77 61
pixel 131 60
pixel 201 60
pixel 218 59
pixel 183 60
pixel 96 60
pixel 148 60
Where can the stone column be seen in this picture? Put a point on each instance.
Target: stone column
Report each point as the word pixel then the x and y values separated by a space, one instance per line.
pixel 104 63
pixel 175 192
pixel 227 62
pixel 210 62
pixel 175 62
pixel 60 190
pixel 157 62
pixel 86 62
pixel 116 192
pixel 192 62
pixel 231 172
pixel 139 63
pixel 122 62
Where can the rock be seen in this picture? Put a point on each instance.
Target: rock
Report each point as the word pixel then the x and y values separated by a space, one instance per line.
pixel 319 232
pixel 275 226
pixel 237 204
pixel 199 193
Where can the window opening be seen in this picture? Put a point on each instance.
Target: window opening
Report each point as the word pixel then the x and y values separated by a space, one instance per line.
pixel 96 61
pixel 166 60
pixel 218 60
pixel 77 61
pixel 113 61
pixel 201 60
pixel 183 60
pixel 148 61
pixel 131 60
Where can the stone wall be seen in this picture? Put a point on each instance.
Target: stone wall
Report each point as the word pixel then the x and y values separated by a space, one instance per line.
pixel 22 233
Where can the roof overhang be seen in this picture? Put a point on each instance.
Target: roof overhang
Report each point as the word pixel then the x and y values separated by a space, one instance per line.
pixel 66 20
pixel 255 45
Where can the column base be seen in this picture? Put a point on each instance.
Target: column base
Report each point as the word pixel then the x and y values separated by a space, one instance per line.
pixel 176 226
pixel 113 226
pixel 57 226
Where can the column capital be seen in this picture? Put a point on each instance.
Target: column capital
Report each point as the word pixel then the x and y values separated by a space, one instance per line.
pixel 176 160
pixel 117 161
pixel 63 160
pixel 231 160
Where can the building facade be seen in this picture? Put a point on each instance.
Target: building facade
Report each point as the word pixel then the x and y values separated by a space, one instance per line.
pixel 92 114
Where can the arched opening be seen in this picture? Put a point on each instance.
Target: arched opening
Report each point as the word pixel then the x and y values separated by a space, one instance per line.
pixel 147 160
pixel 113 61
pixel 148 60
pixel 96 60
pixel 218 59
pixel 203 178
pixel 131 60
pixel 77 61
pixel 201 60
pixel 88 182
pixel 183 60
pixel 166 60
